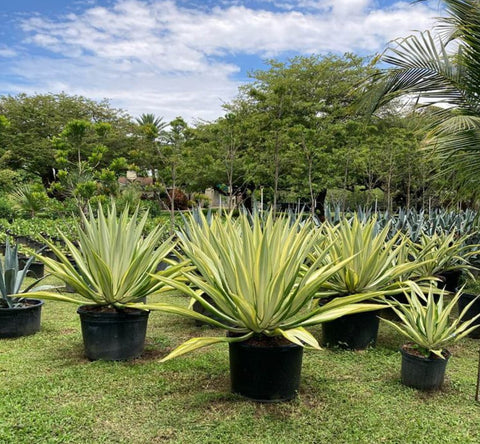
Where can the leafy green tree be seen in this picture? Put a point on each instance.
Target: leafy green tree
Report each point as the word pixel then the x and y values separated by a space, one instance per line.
pixel 79 156
pixel 298 114
pixel 149 131
pixel 216 154
pixel 172 155
pixel 36 120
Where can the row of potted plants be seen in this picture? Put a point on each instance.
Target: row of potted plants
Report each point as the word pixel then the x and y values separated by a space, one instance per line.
pixel 264 280
pixel 414 223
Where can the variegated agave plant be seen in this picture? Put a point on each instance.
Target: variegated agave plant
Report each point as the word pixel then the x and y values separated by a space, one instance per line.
pixel 378 266
pixel 442 252
pixel 425 320
pixel 113 262
pixel 255 270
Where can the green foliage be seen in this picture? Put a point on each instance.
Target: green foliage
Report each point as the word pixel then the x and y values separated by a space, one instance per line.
pixel 8 180
pixel 7 208
pixel 377 266
pixel 129 198
pixel 85 190
pixel 114 262
pixel 254 271
pixel 12 278
pixel 119 164
pixel 36 120
pixel 4 123
pixel 30 199
pixel 79 155
pixel 440 71
pixel 441 252
pixel 425 320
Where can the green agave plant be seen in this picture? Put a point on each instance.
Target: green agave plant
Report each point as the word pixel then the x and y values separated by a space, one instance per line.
pixel 254 269
pixel 12 278
pixel 442 252
pixel 378 264
pixel 114 262
pixel 428 324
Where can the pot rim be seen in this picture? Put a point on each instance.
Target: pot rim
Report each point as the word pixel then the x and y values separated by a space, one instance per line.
pixel 36 303
pixel 247 343
pixel 423 358
pixel 82 310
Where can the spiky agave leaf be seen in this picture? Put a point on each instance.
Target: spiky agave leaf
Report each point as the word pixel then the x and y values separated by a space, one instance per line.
pixel 428 324
pixel 113 262
pixel 255 270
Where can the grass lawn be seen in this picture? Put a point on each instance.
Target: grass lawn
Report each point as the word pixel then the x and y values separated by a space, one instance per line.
pixel 49 393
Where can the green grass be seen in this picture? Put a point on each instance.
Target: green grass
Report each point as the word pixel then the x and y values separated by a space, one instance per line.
pixel 50 393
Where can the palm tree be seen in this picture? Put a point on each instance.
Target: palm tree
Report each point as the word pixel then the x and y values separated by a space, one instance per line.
pixel 152 121
pixel 440 71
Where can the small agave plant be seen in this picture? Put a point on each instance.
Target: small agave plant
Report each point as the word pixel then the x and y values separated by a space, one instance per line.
pixel 12 278
pixel 19 315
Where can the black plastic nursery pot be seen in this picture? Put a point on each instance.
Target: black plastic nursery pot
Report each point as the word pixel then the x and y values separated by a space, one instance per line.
pixel 36 269
pixel 265 369
pixel 21 321
pixel 353 332
pixel 162 265
pixel 199 308
pixel 474 310
pixel 450 279
pixel 113 335
pixel 423 373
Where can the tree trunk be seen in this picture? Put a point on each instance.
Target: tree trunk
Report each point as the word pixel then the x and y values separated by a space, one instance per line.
pixel 277 172
pixel 310 186
pixel 320 204
pixel 172 207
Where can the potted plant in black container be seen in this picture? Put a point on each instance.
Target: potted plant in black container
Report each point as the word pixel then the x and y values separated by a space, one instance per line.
pixel 376 271
pixel 444 256
pixel 425 322
pixel 470 297
pixel 20 315
pixel 262 291
pixel 112 268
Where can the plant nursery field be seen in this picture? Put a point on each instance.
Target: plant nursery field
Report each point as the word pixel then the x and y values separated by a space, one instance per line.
pixel 50 393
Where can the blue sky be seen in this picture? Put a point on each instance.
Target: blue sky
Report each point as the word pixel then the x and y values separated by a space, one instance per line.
pixel 182 57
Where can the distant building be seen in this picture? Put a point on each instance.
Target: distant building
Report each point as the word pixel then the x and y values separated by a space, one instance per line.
pixel 217 199
pixel 132 177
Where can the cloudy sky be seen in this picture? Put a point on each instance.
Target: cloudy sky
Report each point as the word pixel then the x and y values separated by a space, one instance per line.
pixel 182 57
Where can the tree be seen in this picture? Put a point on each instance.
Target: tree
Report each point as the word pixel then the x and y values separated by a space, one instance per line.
pixel 172 154
pixel 156 123
pixel 299 111
pixel 216 154
pixel 79 155
pixel 36 120
pixel 149 130
pixel 441 71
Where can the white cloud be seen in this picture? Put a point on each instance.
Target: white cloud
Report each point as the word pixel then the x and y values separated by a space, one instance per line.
pixel 157 56
pixel 7 52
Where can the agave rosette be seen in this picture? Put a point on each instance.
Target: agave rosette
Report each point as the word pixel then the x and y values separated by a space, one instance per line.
pixel 378 266
pixel 425 320
pixel 113 263
pixel 255 270
pixel 12 278
pixel 442 252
